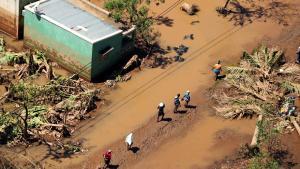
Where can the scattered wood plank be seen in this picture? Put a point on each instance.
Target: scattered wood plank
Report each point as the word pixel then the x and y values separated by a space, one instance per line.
pixel 296 125
pixel 255 135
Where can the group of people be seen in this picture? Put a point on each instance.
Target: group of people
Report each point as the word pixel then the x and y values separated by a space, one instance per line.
pixel 217 68
pixel 107 155
pixel 161 106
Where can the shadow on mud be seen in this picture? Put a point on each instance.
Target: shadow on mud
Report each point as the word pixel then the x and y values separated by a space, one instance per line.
pixel 59 150
pixel 182 111
pixel 191 106
pixel 277 11
pixel 164 20
pixel 112 166
pixel 135 149
pixel 119 69
pixel 220 77
pixel 167 119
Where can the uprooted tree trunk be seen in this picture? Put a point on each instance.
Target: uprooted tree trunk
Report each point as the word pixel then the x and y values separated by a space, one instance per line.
pixel 31 65
pixel 25 129
pixel 255 135
pixel 296 125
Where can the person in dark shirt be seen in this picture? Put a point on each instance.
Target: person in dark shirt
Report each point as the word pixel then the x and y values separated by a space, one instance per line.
pixel 176 103
pixel 161 112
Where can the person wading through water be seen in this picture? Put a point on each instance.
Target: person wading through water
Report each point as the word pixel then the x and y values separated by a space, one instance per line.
pixel 217 68
pixel 176 103
pixel 161 112
pixel 186 98
pixel 107 157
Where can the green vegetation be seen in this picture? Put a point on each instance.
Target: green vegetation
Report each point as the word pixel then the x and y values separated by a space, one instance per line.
pixel 134 12
pixel 44 105
pixel 268 146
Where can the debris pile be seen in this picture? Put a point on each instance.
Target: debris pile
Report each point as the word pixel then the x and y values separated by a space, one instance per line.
pixel 189 9
pixel 24 64
pixel 261 85
pixel 190 36
pixel 180 50
pixel 53 110
pixel 37 112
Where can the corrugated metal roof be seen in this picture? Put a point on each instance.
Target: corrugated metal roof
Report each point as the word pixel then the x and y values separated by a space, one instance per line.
pixel 76 19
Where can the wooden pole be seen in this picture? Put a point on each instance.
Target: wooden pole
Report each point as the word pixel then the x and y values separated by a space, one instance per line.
pixel 255 135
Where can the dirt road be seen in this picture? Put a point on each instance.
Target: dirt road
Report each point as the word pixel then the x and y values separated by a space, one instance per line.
pixel 134 103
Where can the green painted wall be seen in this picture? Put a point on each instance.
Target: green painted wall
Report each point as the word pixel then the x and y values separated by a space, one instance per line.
pixel 67 49
pixel 100 64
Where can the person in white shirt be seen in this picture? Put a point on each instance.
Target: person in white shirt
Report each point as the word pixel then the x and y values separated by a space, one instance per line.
pixel 129 141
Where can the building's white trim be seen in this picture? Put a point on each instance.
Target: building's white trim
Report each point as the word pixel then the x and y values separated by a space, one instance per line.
pixel 129 30
pixel 107 36
pixel 29 8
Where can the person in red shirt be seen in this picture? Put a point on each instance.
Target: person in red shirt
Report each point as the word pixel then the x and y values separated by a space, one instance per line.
pixel 107 157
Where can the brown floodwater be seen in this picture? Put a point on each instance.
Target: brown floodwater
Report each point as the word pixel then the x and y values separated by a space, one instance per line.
pixel 134 102
pixel 208 140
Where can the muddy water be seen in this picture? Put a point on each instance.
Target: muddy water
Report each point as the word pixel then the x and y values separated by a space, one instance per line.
pixel 17 45
pixel 2 90
pixel 135 102
pixel 209 140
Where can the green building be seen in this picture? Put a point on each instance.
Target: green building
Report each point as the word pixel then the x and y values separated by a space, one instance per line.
pixel 73 37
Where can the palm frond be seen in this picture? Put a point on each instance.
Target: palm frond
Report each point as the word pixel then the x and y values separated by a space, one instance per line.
pixel 275 56
pixel 232 112
pixel 253 60
pixel 290 69
pixel 236 69
pixel 291 87
pixel 247 90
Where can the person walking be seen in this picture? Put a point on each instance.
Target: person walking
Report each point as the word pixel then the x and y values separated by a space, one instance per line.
pixel 176 103
pixel 129 141
pixel 107 157
pixel 186 98
pixel 161 112
pixel 217 68
pixel 298 55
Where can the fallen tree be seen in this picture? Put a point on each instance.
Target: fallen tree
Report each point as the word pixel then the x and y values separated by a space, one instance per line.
pixel 262 84
pixel 255 135
pixel 47 112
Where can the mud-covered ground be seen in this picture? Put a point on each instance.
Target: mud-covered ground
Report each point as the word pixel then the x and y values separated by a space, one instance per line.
pixel 287 155
pixel 153 134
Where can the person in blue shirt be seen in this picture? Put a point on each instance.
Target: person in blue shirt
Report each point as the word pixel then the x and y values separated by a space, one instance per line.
pixel 176 103
pixel 186 98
